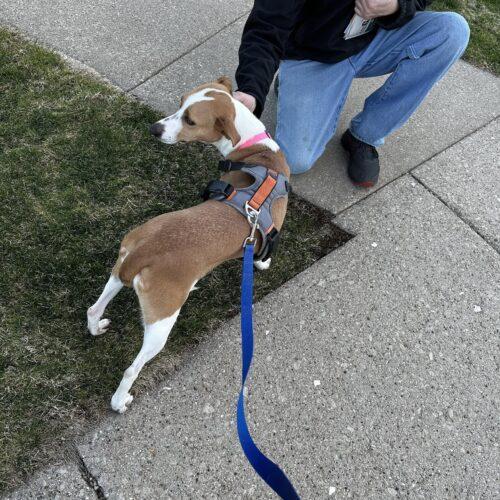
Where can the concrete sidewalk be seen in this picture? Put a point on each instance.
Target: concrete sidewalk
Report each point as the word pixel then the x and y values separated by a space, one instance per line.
pixel 404 345
pixel 400 326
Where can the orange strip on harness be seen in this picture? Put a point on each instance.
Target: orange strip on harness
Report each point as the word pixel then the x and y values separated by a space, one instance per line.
pixel 262 193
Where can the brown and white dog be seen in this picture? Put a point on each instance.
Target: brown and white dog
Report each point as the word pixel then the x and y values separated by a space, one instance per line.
pixel 165 257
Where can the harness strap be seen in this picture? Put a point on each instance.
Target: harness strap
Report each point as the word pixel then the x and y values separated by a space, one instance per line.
pixel 229 166
pixel 263 192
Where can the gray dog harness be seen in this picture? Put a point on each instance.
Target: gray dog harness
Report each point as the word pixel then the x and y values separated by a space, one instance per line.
pixel 253 202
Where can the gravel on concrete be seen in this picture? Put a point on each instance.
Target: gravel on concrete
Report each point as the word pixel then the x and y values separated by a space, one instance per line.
pixel 55 483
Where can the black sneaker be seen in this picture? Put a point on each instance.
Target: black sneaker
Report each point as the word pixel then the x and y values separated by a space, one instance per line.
pixel 363 167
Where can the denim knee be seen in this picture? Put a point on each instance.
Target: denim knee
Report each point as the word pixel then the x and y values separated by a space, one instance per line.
pixel 458 31
pixel 299 161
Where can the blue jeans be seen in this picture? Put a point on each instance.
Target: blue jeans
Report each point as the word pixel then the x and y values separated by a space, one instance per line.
pixel 312 94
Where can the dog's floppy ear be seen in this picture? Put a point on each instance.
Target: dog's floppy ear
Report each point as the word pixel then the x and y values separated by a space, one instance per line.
pixel 226 127
pixel 226 81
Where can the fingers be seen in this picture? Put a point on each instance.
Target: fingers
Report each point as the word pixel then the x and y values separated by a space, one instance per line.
pixel 370 9
pixel 365 9
pixel 246 99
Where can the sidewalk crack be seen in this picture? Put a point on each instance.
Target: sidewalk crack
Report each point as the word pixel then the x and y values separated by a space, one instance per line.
pixel 87 476
pixel 410 171
pixel 457 214
pixel 152 75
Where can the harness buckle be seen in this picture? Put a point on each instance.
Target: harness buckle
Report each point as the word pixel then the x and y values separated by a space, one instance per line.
pixel 253 220
pixel 225 165
pixel 217 189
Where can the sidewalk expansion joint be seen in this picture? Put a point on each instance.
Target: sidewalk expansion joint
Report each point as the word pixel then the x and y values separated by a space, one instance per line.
pixel 430 191
pixel 152 75
pixel 409 172
pixel 87 476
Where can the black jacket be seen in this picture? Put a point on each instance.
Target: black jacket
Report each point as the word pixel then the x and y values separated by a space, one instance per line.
pixel 302 29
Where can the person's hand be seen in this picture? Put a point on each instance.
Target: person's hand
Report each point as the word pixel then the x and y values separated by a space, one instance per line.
pixel 370 9
pixel 246 99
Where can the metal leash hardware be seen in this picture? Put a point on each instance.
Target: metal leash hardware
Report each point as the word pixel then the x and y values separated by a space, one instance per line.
pixel 253 220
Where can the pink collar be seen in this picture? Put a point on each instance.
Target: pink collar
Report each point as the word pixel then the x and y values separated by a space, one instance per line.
pixel 254 140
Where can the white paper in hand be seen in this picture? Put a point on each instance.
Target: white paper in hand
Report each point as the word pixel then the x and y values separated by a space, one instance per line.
pixel 357 27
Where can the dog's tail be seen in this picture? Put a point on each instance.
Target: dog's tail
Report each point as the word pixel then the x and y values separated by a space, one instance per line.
pixel 139 258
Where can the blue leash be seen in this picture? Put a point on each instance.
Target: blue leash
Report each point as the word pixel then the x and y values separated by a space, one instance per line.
pixel 264 467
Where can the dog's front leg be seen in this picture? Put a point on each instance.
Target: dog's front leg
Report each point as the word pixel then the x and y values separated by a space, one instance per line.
pixel 155 337
pixel 262 265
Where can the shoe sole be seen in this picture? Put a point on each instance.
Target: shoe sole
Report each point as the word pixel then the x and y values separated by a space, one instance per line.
pixel 366 184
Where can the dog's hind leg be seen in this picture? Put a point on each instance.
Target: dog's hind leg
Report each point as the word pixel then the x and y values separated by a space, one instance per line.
pixel 96 325
pixel 161 303
pixel 155 338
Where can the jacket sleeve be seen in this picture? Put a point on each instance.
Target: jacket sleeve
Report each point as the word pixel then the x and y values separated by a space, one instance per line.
pixel 407 9
pixel 262 44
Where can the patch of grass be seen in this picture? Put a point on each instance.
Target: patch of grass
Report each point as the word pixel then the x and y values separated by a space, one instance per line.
pixel 483 17
pixel 78 169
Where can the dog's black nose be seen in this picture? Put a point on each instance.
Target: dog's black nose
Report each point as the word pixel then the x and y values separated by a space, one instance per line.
pixel 156 129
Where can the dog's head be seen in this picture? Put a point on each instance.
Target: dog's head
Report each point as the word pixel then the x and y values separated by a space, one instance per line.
pixel 206 114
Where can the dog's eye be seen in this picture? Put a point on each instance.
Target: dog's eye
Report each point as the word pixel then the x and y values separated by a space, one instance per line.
pixel 189 121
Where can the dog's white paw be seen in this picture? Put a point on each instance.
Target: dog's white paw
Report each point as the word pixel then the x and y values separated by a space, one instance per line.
pixel 119 403
pixel 99 327
pixel 103 326
pixel 96 326
pixel 262 265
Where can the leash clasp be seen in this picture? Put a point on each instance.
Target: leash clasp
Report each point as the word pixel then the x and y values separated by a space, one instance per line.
pixel 253 220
